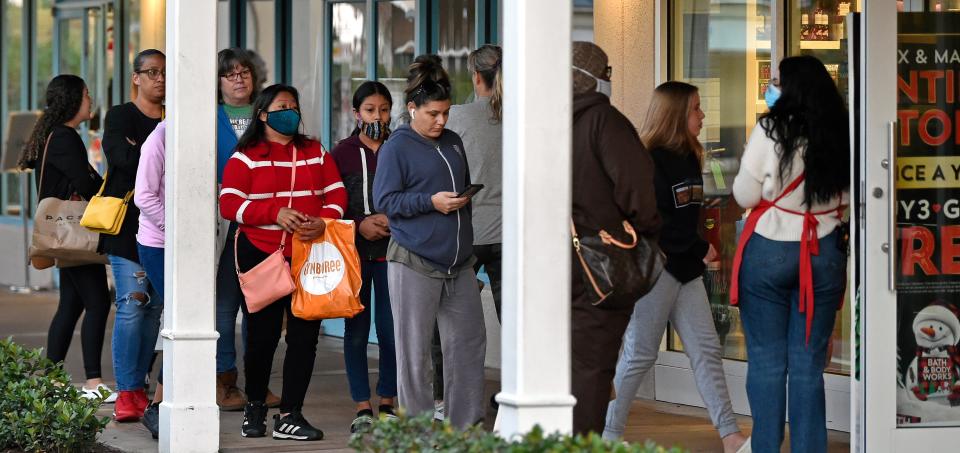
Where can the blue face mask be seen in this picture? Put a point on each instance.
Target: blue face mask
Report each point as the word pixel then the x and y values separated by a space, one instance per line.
pixel 771 96
pixel 285 122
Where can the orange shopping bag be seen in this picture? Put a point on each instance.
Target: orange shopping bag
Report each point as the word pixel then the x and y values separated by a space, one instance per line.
pixel 327 273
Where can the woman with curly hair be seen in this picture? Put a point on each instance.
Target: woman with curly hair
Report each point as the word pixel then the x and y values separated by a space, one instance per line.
pixel 56 150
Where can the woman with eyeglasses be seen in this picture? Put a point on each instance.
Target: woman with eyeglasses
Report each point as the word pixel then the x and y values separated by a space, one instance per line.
pixel 239 83
pixel 139 306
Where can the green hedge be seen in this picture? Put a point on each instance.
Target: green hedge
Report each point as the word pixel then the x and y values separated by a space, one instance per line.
pixel 40 411
pixel 422 434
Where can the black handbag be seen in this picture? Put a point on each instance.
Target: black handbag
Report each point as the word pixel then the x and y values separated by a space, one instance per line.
pixel 617 274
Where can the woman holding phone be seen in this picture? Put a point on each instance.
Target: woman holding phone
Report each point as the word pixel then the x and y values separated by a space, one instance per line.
pixel 420 172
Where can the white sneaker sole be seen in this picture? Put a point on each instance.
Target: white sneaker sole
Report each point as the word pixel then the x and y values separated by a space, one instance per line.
pixel 279 435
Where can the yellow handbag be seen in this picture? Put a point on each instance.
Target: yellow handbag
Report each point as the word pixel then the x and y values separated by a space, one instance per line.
pixel 105 215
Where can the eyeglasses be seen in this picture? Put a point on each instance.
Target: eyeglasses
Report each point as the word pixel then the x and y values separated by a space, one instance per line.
pixel 234 76
pixel 775 82
pixel 153 74
pixel 608 72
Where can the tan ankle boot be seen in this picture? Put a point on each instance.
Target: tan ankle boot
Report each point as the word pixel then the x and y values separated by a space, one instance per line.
pixel 229 397
pixel 272 400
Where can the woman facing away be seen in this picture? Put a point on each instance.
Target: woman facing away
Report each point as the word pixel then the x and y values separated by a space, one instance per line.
pixel 56 151
pixel 670 131
pixel 794 176
pixel 356 158
pixel 420 172
pixel 256 194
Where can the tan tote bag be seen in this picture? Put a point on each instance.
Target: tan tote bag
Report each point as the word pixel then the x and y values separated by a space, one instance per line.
pixel 58 236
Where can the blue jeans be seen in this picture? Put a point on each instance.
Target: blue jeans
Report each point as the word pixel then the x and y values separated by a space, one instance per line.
pixel 780 362
pixel 136 324
pixel 151 258
pixel 229 298
pixel 357 331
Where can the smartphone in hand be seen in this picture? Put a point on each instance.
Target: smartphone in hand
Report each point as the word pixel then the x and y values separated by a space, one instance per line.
pixel 470 190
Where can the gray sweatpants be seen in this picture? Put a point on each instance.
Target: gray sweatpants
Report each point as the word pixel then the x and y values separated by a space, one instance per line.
pixel 418 302
pixel 687 309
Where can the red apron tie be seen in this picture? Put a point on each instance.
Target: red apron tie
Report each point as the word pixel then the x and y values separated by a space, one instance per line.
pixel 809 247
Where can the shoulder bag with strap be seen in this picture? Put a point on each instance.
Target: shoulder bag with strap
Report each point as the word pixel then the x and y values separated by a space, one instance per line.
pixel 58 238
pixel 270 280
pixel 105 214
pixel 617 274
pixel 809 246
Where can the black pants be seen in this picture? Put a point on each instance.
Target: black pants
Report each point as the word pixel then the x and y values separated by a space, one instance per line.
pixel 263 335
pixel 82 288
pixel 488 256
pixel 597 335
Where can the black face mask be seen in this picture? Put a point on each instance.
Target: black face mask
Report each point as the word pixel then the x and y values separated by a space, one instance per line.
pixel 375 130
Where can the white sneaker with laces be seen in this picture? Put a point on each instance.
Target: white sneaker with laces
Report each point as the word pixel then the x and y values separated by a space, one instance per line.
pixel 438 411
pixel 98 392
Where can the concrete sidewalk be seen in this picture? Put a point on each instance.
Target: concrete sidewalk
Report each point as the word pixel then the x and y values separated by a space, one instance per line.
pixel 328 405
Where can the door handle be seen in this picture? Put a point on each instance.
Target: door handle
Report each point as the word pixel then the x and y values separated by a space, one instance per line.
pixel 890 163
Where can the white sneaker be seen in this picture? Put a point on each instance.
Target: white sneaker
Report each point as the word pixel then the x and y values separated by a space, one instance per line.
pixel 98 392
pixel 745 448
pixel 438 411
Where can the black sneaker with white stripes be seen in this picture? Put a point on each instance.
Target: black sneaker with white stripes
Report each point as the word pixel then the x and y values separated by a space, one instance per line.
pixel 254 420
pixel 294 427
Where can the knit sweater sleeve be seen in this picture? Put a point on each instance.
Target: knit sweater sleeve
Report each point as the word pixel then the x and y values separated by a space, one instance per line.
pixel 235 202
pixel 748 185
pixel 147 193
pixel 334 192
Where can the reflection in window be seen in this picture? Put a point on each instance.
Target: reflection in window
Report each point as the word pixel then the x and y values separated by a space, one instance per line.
pixel 306 63
pixel 457 39
pixel 261 36
pixel 348 69
pixel 396 47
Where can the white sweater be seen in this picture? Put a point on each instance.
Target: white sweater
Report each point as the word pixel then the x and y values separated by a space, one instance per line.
pixel 759 177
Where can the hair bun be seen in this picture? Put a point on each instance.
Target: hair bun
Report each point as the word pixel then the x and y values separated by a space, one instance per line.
pixel 429 67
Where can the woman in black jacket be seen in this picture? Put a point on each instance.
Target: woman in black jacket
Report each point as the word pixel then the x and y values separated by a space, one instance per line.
pixel 56 150
pixel 139 306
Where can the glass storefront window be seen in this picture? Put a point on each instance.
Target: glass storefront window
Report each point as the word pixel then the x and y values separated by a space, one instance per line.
pixel 307 63
pixel 457 39
pixel 262 36
pixel 44 56
pixel 396 47
pixel 349 66
pixel 818 28
pixel 724 50
pixel 146 25
pixel 12 29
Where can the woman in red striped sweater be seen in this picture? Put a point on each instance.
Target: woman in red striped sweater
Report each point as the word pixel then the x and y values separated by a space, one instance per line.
pixel 256 192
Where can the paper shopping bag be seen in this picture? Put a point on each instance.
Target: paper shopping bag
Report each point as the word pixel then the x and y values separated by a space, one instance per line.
pixel 327 274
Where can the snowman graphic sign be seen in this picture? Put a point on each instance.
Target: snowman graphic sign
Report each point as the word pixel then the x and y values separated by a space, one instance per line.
pixel 935 371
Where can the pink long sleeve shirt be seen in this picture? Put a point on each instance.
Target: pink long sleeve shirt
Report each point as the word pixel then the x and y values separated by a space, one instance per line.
pixel 148 192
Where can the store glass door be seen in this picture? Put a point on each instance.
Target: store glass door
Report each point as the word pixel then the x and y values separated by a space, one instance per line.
pixel 911 352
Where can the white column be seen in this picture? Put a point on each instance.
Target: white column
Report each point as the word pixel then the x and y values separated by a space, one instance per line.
pixel 536 211
pixel 189 417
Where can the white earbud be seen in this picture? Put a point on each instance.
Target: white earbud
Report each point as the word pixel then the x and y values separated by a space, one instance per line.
pixel 411 113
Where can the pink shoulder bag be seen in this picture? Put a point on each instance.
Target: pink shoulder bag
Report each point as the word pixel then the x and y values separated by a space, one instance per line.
pixel 270 280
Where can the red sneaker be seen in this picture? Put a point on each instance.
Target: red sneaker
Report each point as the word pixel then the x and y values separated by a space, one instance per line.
pixel 127 408
pixel 142 400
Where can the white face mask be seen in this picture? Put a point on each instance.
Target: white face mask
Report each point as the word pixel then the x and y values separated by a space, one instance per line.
pixel 603 86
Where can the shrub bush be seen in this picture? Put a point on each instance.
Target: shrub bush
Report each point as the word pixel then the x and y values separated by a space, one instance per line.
pixel 422 434
pixel 40 411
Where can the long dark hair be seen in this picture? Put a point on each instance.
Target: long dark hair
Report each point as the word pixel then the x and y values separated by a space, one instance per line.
pixel 810 114
pixel 427 81
pixel 256 132
pixel 64 97
pixel 365 90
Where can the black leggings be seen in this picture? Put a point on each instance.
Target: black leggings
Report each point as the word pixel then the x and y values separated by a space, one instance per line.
pixel 82 288
pixel 263 335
